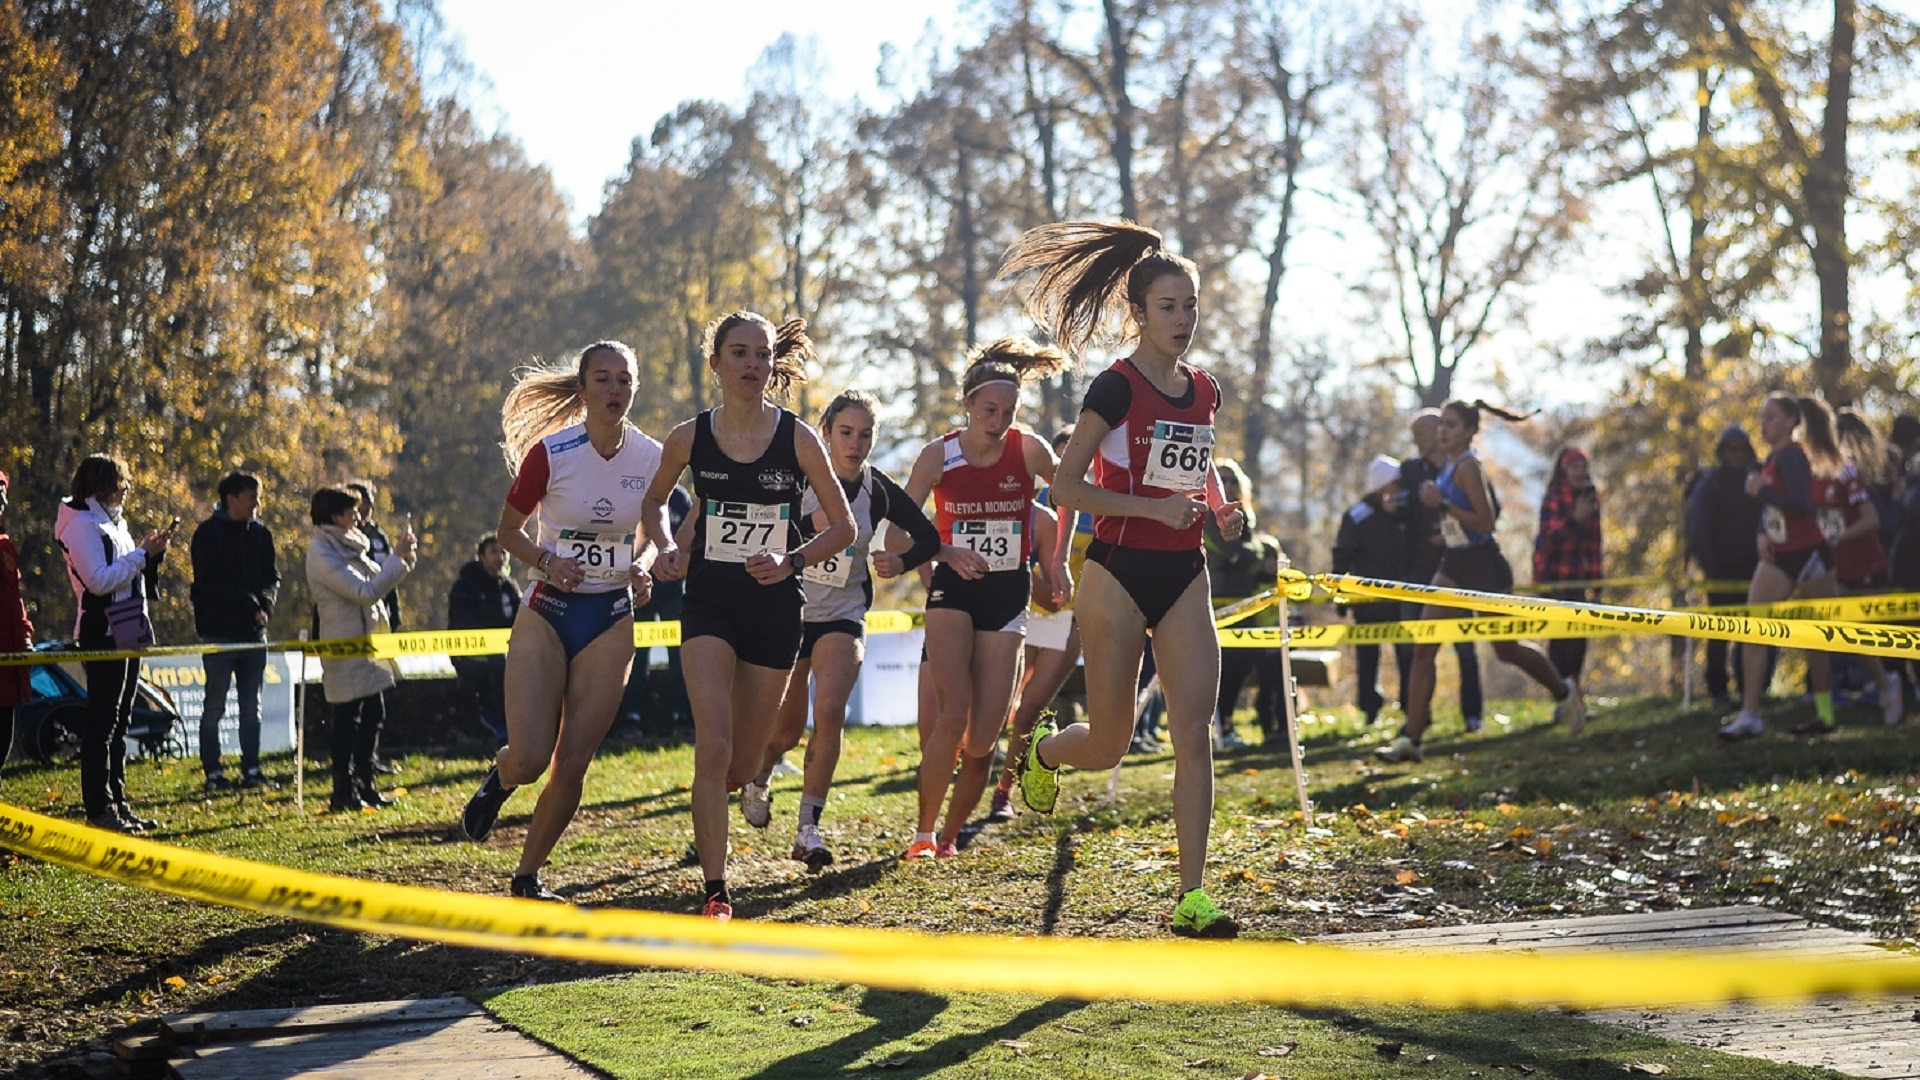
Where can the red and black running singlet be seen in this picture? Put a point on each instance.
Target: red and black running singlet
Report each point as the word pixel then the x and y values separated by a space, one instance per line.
pixel 1837 504
pixel 1158 446
pixel 985 507
pixel 1789 527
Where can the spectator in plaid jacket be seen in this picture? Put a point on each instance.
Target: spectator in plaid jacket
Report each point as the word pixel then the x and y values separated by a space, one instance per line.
pixel 1568 547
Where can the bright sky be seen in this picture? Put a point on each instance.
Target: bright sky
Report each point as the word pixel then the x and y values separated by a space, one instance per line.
pixel 576 80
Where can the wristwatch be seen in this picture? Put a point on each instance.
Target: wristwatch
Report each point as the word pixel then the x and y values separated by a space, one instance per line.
pixel 799 561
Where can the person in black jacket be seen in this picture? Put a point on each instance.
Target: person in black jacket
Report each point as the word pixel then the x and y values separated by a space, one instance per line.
pixel 1721 520
pixel 1424 548
pixel 483 598
pixel 236 579
pixel 1372 542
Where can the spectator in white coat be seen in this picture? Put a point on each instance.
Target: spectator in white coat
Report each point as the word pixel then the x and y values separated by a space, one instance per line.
pixel 348 592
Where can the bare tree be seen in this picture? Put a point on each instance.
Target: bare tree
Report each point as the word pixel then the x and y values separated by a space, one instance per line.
pixel 1465 185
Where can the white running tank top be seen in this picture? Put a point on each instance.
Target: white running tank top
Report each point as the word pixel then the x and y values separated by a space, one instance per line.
pixel 591 511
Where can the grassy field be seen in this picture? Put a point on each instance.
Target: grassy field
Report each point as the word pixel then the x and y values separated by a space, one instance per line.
pixel 1647 811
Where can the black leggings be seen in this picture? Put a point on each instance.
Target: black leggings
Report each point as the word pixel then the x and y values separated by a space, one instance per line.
pixel 103 741
pixel 1569 655
pixel 356 731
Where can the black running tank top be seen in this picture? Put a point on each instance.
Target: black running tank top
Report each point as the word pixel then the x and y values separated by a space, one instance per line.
pixel 745 507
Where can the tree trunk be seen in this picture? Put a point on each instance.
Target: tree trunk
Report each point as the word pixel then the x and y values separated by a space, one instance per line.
pixel 1693 292
pixel 1119 43
pixel 1826 197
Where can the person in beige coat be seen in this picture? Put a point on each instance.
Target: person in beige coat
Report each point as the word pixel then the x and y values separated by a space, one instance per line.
pixel 348 588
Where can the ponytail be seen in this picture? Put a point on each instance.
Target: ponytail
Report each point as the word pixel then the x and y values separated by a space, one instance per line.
pixel 1823 450
pixel 1017 360
pixel 1086 269
pixel 792 348
pixel 548 397
pixel 1470 412
pixel 1871 457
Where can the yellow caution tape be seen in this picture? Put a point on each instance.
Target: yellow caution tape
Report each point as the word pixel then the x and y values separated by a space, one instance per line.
pixel 414 643
pixel 1241 610
pixel 1826 636
pixel 1055 967
pixel 1855 609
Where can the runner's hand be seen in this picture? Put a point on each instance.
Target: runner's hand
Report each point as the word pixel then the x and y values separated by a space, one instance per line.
pixel 642 584
pixel 968 563
pixel 1180 511
pixel 887 565
pixel 1230 519
pixel 767 568
pixel 566 574
pixel 671 565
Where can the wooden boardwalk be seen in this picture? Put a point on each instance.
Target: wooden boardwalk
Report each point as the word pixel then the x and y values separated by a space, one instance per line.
pixel 1877 1037
pixel 387 1040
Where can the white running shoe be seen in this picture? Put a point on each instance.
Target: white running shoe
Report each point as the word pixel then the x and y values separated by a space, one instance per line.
pixel 1572 709
pixel 756 804
pixel 1400 749
pixel 1744 726
pixel 809 848
pixel 1893 700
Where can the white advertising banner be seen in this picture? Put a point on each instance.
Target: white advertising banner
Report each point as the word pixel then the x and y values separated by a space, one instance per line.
pixel 184 678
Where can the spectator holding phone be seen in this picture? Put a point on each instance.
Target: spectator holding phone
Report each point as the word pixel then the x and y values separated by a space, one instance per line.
pixel 113 577
pixel 1568 548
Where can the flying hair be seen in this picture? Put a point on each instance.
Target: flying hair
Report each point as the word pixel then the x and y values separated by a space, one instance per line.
pixel 1018 360
pixel 792 348
pixel 1470 412
pixel 548 397
pixel 1823 450
pixel 1093 274
pixel 1871 456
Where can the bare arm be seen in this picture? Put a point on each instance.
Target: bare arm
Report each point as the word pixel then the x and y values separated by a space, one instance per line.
pixel 671 562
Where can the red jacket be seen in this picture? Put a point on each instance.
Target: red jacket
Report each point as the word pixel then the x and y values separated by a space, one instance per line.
pixel 16 630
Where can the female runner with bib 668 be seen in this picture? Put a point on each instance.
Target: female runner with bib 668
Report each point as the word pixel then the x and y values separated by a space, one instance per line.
pixel 1146 431
pixel 740 629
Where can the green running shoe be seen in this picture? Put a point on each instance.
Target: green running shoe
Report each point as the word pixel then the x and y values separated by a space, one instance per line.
pixel 1039 785
pixel 1197 917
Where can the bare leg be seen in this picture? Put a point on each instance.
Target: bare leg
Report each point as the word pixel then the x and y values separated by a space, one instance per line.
pixel 950 643
pixel 1047 670
pixel 996 666
pixel 1187 652
pixel 535 688
pixel 1769 584
pixel 836 669
pixel 595 680
pixel 790 724
pixel 1114 635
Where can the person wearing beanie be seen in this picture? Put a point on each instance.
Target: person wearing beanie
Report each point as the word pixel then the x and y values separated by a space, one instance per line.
pixel 1372 542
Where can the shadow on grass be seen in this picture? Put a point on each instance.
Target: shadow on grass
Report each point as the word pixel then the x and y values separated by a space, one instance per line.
pixel 1533 1043
pixel 897 1015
